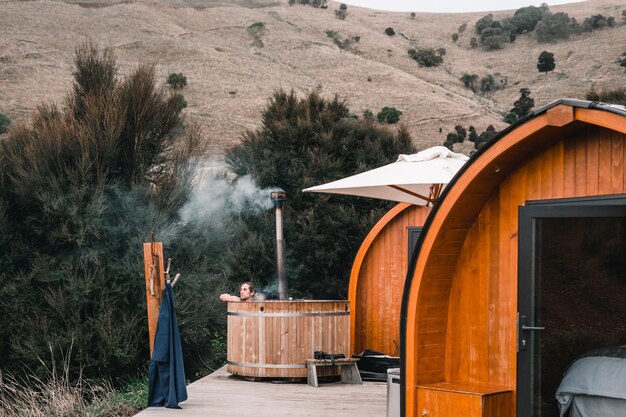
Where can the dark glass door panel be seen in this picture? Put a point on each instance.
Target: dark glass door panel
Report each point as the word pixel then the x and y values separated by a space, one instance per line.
pixel 572 293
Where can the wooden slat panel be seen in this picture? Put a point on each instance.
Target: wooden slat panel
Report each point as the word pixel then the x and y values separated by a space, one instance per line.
pixel 442 400
pixel 569 167
pixel 604 162
pixel 481 342
pixel 558 169
pixel 592 179
pixel 471 299
pixel 517 193
pixel 617 163
pixel 534 180
pixel 492 296
pixel 381 281
pixel 580 177
pixel 547 169
pixel 503 301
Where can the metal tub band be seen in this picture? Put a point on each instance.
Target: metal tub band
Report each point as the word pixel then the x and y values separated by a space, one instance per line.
pixel 266 365
pixel 246 314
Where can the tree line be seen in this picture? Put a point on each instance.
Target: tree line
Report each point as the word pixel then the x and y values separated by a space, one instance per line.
pixel 84 184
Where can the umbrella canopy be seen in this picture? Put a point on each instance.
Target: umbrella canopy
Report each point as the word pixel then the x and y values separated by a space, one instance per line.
pixel 417 179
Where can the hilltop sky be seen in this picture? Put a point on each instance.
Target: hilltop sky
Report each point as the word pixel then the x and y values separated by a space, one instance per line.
pixel 449 6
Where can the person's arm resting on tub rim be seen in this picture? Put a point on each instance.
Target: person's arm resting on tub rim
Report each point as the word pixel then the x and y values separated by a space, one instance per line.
pixel 246 293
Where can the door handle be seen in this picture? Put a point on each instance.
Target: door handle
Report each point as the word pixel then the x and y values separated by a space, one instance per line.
pixel 522 341
pixel 532 328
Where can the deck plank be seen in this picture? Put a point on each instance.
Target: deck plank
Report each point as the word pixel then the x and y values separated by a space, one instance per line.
pixel 222 395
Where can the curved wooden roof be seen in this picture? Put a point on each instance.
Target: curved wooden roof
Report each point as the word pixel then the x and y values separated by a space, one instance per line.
pixel 452 217
pixel 377 280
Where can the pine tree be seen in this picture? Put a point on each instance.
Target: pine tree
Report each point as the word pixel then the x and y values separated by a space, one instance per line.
pixel 545 62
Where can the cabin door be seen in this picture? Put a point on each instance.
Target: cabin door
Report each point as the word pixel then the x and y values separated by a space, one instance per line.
pixel 571 291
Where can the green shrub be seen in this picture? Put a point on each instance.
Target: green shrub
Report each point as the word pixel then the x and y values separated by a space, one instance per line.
pixel 455 37
pixel 616 96
pixel 75 209
pixel 473 136
pixel 413 15
pixel 427 57
pixel 545 62
pixel 256 30
pixel 340 42
pixel 525 19
pixel 389 31
pixel 389 115
pixel 486 22
pixel 521 107
pixel 470 81
pixel 511 118
pixel 181 103
pixel 342 12
pixel 485 137
pixel 554 27
pixel 487 83
pixel 315 3
pixel 460 134
pixel 177 80
pixel 304 142
pixel 493 38
pixel 622 60
pixel 597 21
pixel 5 122
pixel 462 28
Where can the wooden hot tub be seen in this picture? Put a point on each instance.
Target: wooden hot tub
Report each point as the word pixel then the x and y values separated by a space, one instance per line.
pixel 274 339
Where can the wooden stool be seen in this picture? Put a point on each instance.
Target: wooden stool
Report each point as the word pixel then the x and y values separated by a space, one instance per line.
pixel 349 370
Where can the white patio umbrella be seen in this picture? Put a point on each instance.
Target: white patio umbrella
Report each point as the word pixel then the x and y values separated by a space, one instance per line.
pixel 417 179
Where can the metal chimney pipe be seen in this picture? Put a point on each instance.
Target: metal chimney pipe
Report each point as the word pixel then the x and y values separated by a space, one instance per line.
pixel 278 197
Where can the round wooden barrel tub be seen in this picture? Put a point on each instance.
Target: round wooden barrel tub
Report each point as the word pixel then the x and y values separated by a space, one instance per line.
pixel 273 339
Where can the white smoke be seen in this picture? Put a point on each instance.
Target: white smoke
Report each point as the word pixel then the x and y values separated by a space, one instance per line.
pixel 217 194
pixel 270 291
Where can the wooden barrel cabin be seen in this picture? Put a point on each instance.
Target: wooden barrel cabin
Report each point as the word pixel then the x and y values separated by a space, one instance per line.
pixel 520 268
pixel 377 279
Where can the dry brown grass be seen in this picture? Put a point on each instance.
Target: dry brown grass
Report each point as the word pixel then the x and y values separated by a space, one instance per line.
pixel 61 394
pixel 230 76
pixel 58 397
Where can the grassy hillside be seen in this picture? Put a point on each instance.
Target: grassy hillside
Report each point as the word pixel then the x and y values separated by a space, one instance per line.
pixel 232 68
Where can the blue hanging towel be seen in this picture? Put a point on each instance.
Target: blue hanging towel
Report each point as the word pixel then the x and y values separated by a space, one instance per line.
pixel 166 381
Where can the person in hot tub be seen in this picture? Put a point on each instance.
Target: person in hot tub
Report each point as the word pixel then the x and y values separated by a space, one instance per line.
pixel 246 293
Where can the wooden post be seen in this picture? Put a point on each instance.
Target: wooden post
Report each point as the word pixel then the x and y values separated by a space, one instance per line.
pixel 155 284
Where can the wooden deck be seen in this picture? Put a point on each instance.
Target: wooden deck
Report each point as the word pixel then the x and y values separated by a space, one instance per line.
pixel 222 395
